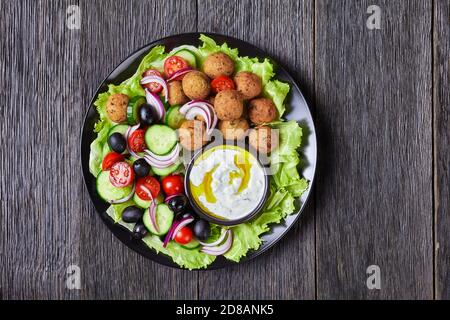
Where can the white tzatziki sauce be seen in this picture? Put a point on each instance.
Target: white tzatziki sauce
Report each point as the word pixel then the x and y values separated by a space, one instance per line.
pixel 227 182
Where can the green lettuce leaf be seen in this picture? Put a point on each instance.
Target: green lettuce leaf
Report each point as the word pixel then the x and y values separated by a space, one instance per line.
pixel 277 91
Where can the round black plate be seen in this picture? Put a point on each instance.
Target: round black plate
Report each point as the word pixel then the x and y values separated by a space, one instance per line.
pixel 297 109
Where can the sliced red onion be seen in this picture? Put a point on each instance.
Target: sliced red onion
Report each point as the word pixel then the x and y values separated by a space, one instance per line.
pixel 158 80
pixel 147 190
pixel 170 156
pixel 179 73
pixel 128 133
pixel 158 163
pixel 184 222
pixel 167 199
pixel 152 212
pixel 217 242
pixel 156 103
pixel 170 233
pixel 219 250
pixel 124 199
pixel 201 108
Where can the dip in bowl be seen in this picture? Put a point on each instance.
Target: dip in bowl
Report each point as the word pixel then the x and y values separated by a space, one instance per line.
pixel 226 184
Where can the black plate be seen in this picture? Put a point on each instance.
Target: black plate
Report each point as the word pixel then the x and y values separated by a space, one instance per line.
pixel 296 109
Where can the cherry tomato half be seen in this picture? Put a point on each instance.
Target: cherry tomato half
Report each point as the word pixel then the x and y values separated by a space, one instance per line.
pixel 173 184
pixel 121 174
pixel 110 159
pixel 152 86
pixel 147 188
pixel 137 140
pixel 174 64
pixel 183 236
pixel 222 83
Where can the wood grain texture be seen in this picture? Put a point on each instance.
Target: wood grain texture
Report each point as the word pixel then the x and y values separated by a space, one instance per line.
pixel 111 31
pixel 287 270
pixel 40 176
pixel 442 143
pixel 374 116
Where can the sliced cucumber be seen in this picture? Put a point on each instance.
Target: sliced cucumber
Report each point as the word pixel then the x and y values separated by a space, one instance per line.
pixel 164 219
pixel 107 191
pixel 133 109
pixel 174 118
pixel 160 139
pixel 162 172
pixel 188 56
pixel 121 128
pixel 191 245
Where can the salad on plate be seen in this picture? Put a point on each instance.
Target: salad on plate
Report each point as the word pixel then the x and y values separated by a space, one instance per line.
pixel 193 154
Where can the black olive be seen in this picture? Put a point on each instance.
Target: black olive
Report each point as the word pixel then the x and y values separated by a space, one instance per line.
pixel 178 204
pixel 202 229
pixel 146 115
pixel 141 167
pixel 117 142
pixel 139 231
pixel 132 214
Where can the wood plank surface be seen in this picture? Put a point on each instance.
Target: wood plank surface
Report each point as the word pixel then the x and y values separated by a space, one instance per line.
pixel 111 31
pixel 374 116
pixel 287 270
pixel 442 143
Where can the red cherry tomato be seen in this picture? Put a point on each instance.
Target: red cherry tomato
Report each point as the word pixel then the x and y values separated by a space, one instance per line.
pixel 137 140
pixel 110 159
pixel 173 184
pixel 222 83
pixel 121 174
pixel 183 236
pixel 152 86
pixel 147 188
pixel 174 64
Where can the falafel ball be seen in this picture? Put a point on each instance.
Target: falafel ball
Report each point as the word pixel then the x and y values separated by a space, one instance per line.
pixel 176 94
pixel 262 110
pixel 218 64
pixel 196 85
pixel 229 105
pixel 116 107
pixel 263 139
pixel 192 134
pixel 234 129
pixel 248 84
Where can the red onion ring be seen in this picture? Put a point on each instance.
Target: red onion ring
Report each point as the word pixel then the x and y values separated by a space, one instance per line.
pixel 167 199
pixel 158 163
pixel 179 73
pixel 171 155
pixel 219 250
pixel 170 233
pixel 128 133
pixel 180 225
pixel 201 108
pixel 217 242
pixel 152 212
pixel 156 103
pixel 126 198
pixel 158 80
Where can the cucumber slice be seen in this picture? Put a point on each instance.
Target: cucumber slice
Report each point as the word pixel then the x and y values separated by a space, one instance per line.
pixel 188 56
pixel 191 245
pixel 107 191
pixel 174 118
pixel 133 109
pixel 164 219
pixel 121 128
pixel 162 172
pixel 160 139
pixel 146 203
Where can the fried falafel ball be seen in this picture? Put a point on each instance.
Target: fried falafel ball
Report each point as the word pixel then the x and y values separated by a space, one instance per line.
pixel 229 105
pixel 196 85
pixel 234 129
pixel 116 107
pixel 262 110
pixel 263 139
pixel 248 84
pixel 218 64
pixel 192 134
pixel 176 94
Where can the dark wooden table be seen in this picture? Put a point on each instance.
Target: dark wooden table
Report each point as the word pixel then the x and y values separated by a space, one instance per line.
pixel 381 103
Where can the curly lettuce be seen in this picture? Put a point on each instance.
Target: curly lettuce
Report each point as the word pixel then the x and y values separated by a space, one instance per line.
pixel 286 183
